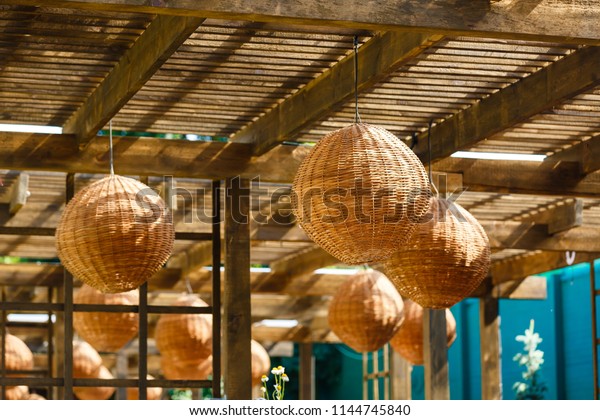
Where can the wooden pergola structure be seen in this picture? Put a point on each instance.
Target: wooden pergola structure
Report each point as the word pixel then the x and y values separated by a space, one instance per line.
pixel 259 82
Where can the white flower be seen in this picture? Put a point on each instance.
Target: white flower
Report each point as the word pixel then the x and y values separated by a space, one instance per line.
pixel 264 378
pixel 263 389
pixel 522 387
pixel 279 370
pixel 285 378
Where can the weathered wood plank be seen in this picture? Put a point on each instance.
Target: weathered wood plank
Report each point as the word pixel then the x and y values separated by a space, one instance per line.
pixel 435 355
pixel 529 288
pixel 515 103
pixel 156 44
pixel 489 333
pixel 522 266
pixel 19 193
pixel 586 153
pixel 307 372
pixel 558 217
pixel 577 21
pixel 236 299
pixel 377 58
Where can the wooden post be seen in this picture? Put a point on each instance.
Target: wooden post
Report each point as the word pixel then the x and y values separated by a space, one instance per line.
pixel 400 371
pixel 435 352
pixel 236 299
pixel 307 372
pixel 489 332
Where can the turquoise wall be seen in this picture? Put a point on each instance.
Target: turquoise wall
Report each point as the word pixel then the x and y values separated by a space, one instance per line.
pixel 563 320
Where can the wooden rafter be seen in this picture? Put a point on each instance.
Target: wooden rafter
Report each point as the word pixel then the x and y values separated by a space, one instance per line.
pixel 558 217
pixel 156 44
pixel 586 153
pixel 515 103
pixel 377 58
pixel 573 21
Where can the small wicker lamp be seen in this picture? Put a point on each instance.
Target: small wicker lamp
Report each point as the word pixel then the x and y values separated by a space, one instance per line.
pixel 106 331
pixel 153 393
pixel 445 260
pixel 20 392
pixel 86 360
pixel 96 392
pixel 408 341
pixel 359 193
pixel 366 311
pixel 261 362
pixel 185 338
pixel 18 356
pixel 190 371
pixel 115 234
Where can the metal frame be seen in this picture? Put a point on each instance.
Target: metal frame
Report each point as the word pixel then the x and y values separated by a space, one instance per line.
pixel 66 382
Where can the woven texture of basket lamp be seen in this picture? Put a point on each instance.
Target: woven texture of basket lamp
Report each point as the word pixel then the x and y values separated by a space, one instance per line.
pixel 185 338
pixel 445 260
pixel 20 392
pixel 115 234
pixel 408 341
pixel 96 392
pixel 86 360
pixel 18 356
pixel 261 362
pixel 153 393
pixel 359 193
pixel 106 331
pixel 198 370
pixel 366 311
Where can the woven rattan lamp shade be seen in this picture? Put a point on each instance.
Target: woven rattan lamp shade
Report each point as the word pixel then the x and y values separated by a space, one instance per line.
pixel 106 331
pixel 359 193
pixel 96 392
pixel 445 260
pixel 86 360
pixel 261 362
pixel 366 311
pixel 190 371
pixel 115 234
pixel 408 341
pixel 185 338
pixel 18 356
pixel 20 392
pixel 153 393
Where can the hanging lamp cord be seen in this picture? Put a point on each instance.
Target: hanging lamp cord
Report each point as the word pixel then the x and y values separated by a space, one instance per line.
pixel 435 190
pixel 110 148
pixel 356 115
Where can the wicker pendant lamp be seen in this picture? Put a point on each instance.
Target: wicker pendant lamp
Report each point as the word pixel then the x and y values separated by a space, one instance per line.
pixel 446 259
pixel 185 338
pixel 187 371
pixel 408 341
pixel 96 392
pixel 20 392
pixel 359 193
pixel 86 360
pixel 18 356
pixel 261 362
pixel 106 331
pixel 115 234
pixel 366 311
pixel 153 393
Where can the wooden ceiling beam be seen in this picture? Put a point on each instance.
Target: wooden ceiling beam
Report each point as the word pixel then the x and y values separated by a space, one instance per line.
pixel 513 104
pixel 585 153
pixel 558 217
pixel 137 65
pixel 576 21
pixel 377 58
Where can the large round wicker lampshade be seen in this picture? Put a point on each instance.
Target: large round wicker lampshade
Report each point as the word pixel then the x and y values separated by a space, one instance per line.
pixel 86 360
pixel 359 193
pixel 18 356
pixel 185 338
pixel 106 331
pixel 20 392
pixel 153 393
pixel 408 341
pixel 188 371
pixel 96 392
pixel 366 311
pixel 447 257
pixel 261 362
pixel 115 234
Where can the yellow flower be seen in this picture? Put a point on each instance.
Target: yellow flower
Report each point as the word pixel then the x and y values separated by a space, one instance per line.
pixel 264 378
pixel 285 378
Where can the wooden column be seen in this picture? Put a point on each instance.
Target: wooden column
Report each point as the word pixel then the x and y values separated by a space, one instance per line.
pixel 401 371
pixel 307 372
pixel 489 331
pixel 236 299
pixel 435 352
